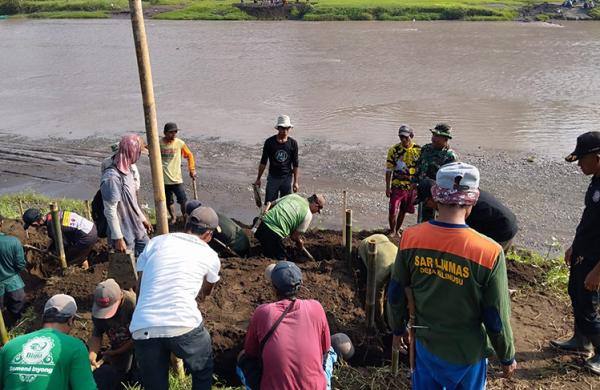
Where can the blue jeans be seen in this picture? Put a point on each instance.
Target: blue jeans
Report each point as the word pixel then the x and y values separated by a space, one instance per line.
pixel 432 372
pixel 193 347
pixel 278 187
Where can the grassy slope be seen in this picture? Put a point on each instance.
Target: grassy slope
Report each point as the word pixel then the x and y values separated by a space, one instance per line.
pixel 320 10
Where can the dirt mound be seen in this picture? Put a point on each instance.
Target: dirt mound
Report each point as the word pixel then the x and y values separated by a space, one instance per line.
pixel 536 319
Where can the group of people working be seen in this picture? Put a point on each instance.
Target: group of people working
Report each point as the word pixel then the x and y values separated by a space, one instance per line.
pixel 446 279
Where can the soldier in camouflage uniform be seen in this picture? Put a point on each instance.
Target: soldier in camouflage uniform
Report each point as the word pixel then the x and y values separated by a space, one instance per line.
pixel 433 156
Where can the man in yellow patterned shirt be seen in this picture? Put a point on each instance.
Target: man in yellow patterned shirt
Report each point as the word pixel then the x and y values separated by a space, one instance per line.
pixel 400 169
pixel 171 150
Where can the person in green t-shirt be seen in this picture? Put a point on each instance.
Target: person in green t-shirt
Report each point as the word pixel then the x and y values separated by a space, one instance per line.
pixel 289 216
pixel 12 262
pixel 48 358
pixel 384 260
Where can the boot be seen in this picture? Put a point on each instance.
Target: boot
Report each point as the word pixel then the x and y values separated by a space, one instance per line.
pixel 593 363
pixel 579 344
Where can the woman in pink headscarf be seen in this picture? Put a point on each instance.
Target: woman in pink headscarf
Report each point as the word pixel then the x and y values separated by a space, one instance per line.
pixel 127 224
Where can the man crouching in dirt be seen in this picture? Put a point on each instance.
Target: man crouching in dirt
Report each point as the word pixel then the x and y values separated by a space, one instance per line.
pixel 455 278
pixel 12 288
pixel 583 258
pixel 294 356
pixel 173 269
pixel 384 260
pixel 111 315
pixel 289 216
pixel 79 234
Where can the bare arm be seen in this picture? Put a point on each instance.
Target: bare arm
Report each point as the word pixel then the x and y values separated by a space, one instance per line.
pixel 388 179
pixel 296 184
pixel 206 289
pixel 94 344
pixel 261 170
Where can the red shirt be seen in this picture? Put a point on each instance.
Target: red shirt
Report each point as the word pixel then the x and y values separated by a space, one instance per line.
pixel 293 355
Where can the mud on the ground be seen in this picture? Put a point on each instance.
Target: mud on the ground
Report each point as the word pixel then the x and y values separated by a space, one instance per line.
pixel 537 316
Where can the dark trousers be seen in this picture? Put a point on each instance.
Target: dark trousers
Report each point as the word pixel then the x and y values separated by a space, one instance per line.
pixel 193 347
pixel 114 371
pixel 77 252
pixel 15 301
pixel 272 244
pixel 277 187
pixel 585 303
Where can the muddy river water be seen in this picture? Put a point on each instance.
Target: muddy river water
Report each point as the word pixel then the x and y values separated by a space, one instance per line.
pixel 517 95
pixel 502 85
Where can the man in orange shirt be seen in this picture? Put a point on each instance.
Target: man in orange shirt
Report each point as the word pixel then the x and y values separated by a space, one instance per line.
pixel 171 150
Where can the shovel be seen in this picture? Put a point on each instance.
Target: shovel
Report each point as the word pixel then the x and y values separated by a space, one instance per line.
pixel 260 217
pixel 194 188
pixel 256 192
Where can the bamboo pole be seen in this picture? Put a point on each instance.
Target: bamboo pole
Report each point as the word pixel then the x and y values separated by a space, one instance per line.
pixel 145 72
pixel 348 249
pixel 3 331
pixel 395 361
pixel 21 216
pixel 88 210
pixel 58 238
pixel 344 207
pixel 371 288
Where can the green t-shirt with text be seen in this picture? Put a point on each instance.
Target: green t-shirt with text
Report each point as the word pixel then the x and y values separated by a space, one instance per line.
pixel 45 359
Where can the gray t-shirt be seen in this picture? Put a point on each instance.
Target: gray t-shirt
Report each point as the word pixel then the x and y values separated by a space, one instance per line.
pixel 120 189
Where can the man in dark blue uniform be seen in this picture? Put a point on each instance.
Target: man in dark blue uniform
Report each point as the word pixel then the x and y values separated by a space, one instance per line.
pixel 583 258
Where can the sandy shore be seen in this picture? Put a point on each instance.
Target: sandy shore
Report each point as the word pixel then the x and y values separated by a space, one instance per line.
pixel 545 194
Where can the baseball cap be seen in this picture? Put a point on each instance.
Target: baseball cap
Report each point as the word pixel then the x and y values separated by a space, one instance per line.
pixel 424 190
pixel 107 299
pixel 60 307
pixel 586 143
pixel 405 130
pixel 342 345
pixel 286 277
pixel 456 183
pixel 191 206
pixel 443 130
pixel 204 217
pixel 30 216
pixel 171 126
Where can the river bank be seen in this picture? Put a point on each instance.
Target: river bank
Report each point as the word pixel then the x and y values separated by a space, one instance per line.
pixel 323 10
pixel 544 192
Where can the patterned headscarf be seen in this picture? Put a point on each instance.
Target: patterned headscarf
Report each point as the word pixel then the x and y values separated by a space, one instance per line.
pixel 130 149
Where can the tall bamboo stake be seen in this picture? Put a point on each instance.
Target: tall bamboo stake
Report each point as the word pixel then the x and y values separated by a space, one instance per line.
pixel 3 331
pixel 371 288
pixel 58 238
pixel 395 361
pixel 145 72
pixel 344 207
pixel 348 249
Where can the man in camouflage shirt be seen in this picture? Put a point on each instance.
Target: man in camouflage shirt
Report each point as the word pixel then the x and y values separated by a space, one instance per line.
pixel 433 156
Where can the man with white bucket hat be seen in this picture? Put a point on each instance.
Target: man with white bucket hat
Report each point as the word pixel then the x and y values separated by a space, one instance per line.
pixel 281 151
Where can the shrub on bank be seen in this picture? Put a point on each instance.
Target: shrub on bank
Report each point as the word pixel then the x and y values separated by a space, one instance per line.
pixel 10 7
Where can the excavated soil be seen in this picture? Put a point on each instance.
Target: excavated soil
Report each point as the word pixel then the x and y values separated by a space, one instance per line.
pixel 537 316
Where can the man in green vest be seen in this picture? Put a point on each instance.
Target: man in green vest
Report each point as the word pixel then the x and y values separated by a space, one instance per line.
pixel 12 262
pixel 290 216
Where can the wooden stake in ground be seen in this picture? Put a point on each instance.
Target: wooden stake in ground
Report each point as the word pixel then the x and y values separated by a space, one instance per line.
pixel 371 288
pixel 58 238
pixel 88 210
pixel 145 72
pixel 410 300
pixel 3 332
pixel 21 216
pixel 194 188
pixel 348 248
pixel 344 207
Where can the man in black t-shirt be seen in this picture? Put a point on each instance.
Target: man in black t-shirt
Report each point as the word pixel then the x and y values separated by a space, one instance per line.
pixel 583 258
pixel 488 216
pixel 281 151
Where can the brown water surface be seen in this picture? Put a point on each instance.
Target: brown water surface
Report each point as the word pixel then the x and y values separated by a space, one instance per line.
pixel 529 86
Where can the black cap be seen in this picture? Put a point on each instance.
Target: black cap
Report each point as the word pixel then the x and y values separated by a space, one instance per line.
pixel 424 190
pixel 30 216
pixel 586 143
pixel 171 126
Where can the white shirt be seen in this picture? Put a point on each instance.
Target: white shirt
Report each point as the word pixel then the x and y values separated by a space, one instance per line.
pixel 174 267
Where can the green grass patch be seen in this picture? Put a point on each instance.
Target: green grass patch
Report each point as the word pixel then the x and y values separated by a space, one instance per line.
pixel 595 13
pixel 556 273
pixel 70 15
pixel 9 204
pixel 207 10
